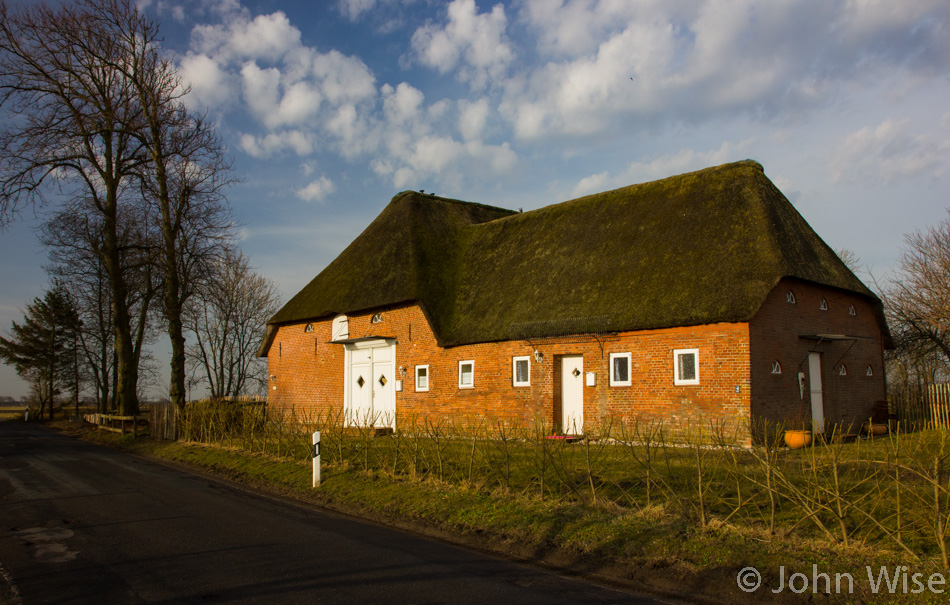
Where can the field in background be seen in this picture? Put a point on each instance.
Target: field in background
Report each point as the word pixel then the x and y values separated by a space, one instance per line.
pixel 9 411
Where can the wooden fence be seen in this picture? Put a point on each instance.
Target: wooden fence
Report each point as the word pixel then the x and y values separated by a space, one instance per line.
pixel 922 407
pixel 162 420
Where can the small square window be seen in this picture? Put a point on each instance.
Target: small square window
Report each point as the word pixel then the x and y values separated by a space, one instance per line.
pixel 620 369
pixel 686 366
pixel 521 371
pixel 422 378
pixel 467 374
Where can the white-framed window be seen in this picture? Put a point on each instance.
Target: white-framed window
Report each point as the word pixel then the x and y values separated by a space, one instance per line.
pixel 686 366
pixel 790 297
pixel 869 371
pixel 422 378
pixel 308 328
pixel 776 367
pixel 467 374
pixel 521 371
pixel 377 318
pixel 823 305
pixel 851 310
pixel 620 369
pixel 843 370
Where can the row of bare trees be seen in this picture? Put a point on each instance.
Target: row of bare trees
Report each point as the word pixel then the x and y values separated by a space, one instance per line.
pixel 95 131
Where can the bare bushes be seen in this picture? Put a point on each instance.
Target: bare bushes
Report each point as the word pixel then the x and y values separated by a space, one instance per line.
pixel 891 492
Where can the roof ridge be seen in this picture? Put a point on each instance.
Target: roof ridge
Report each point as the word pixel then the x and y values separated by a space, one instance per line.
pixel 421 195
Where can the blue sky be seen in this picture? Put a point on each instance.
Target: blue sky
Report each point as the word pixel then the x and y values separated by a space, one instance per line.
pixel 331 108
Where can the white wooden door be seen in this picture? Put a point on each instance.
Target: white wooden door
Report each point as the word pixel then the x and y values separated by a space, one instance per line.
pixel 384 402
pixel 817 395
pixel 370 399
pixel 360 410
pixel 572 395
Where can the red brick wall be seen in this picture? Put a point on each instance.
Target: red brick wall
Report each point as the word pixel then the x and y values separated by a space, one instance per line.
pixel 309 373
pixel 775 335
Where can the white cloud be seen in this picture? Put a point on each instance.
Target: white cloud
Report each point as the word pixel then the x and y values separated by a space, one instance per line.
pixel 594 183
pixel 353 9
pixel 475 42
pixel 265 37
pixel 472 118
pixel 446 160
pixel 890 151
pixel 317 190
pixel 274 143
pixel 275 103
pixel 343 79
pixel 210 84
pixel 402 104
pixel 297 94
pixel 604 61
pixel 576 27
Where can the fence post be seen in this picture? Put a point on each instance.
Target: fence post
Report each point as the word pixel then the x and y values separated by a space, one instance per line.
pixel 315 454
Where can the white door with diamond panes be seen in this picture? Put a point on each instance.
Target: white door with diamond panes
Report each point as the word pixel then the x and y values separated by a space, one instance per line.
pixel 384 401
pixel 572 395
pixel 369 397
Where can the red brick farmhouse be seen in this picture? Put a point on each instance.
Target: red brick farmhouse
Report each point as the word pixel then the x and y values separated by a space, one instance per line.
pixel 699 298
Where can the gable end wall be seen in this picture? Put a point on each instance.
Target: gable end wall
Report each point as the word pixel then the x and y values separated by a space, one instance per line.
pixel 775 335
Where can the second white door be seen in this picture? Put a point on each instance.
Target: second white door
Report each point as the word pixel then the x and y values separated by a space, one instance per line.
pixel 572 395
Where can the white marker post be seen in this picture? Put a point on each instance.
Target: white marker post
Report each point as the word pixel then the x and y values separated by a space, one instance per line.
pixel 315 454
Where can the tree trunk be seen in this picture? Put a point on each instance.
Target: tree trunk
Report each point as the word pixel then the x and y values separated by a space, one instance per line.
pixel 126 366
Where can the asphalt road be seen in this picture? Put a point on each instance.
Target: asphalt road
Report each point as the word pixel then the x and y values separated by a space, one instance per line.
pixel 84 524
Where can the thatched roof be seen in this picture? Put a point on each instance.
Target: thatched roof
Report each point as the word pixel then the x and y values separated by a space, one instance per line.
pixel 698 248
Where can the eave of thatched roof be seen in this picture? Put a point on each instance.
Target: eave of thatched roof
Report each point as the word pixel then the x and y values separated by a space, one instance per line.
pixel 698 248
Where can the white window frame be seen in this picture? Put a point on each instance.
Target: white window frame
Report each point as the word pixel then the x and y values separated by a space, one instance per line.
pixel 776 367
pixel 428 378
pixel 470 385
pixel 620 383
pixel 677 353
pixel 514 371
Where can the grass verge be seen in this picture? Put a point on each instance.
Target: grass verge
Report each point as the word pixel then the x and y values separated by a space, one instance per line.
pixel 647 549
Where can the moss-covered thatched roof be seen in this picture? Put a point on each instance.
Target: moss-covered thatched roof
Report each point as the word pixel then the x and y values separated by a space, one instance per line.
pixel 698 248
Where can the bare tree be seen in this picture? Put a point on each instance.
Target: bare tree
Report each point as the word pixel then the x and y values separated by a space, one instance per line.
pixel 917 298
pixel 98 112
pixel 68 131
pixel 850 259
pixel 184 179
pixel 72 235
pixel 228 317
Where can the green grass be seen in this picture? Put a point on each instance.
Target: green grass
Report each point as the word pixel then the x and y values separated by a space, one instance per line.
pixel 668 545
